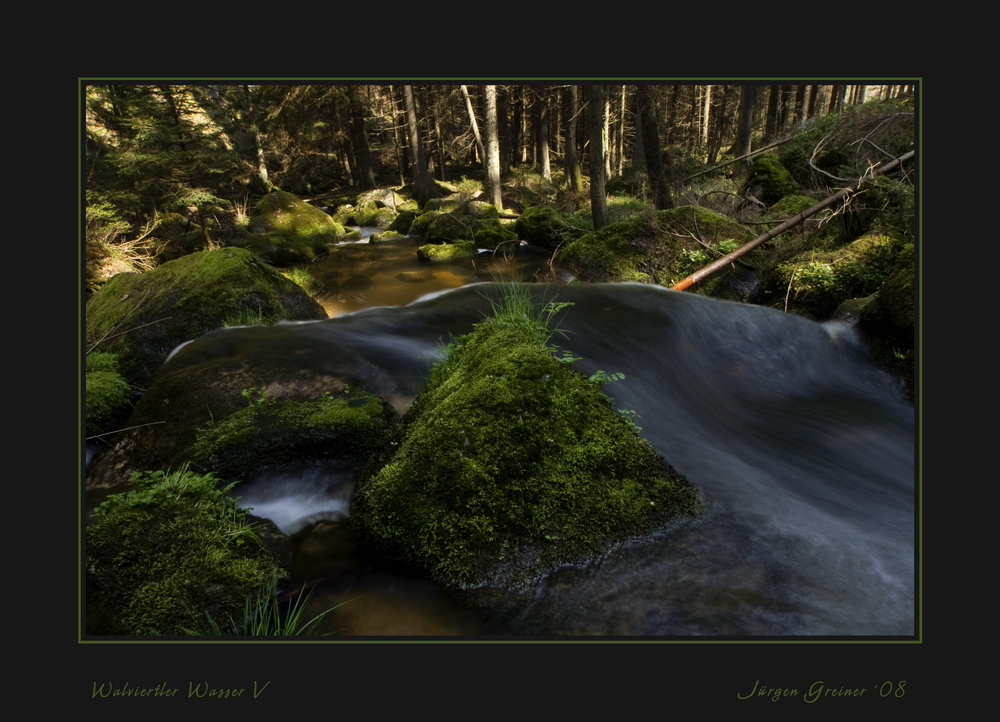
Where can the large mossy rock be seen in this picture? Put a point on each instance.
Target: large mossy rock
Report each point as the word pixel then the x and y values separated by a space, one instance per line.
pixel 285 229
pixel 143 317
pixel 510 463
pixel 815 283
pixel 769 180
pixel 541 226
pixel 658 247
pixel 109 396
pixel 347 427
pixel 888 320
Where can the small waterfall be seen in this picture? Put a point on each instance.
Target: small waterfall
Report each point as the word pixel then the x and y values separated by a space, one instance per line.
pixel 803 451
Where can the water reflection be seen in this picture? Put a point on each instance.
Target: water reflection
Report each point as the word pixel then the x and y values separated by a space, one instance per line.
pixel 360 275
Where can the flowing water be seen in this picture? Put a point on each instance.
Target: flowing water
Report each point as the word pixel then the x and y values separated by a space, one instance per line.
pixel 803 451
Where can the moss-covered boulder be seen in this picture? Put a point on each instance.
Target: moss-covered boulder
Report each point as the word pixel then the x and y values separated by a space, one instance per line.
pixel 422 221
pixel 172 552
pixel 439 252
pixel 448 228
pixel 109 397
pixel 788 207
pixel 280 249
pixel 661 247
pixel 382 198
pixel 384 236
pixel 510 463
pixel 143 317
pixel 768 180
pixel 290 227
pixel 445 205
pixel 491 233
pixel 348 427
pixel 815 283
pixel 480 209
pixel 474 221
pixel 888 319
pixel 541 226
pixel 403 222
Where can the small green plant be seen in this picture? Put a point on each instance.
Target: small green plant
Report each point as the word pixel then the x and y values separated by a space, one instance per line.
pixel 517 305
pixel 630 417
pixel 248 316
pixel 599 378
pixel 256 397
pixel 300 276
pixel 265 616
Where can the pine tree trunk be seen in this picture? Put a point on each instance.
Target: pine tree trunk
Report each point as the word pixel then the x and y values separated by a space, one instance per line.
pixel 597 115
pixel 492 150
pixel 423 184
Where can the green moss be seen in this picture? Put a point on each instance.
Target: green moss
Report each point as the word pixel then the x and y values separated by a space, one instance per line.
pixel 439 252
pixel 385 236
pixel 816 283
pixel 769 180
pixel 789 206
pixel 143 317
pixel 511 462
pixel 540 225
pixel 448 228
pixel 288 216
pixel 889 318
pixel 109 397
pixel 171 550
pixel 652 247
pixel 490 233
pixel 349 427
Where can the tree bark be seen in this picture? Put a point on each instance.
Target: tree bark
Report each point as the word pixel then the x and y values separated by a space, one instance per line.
pixel 598 197
pixel 790 223
pixel 423 184
pixel 472 121
pixel 744 131
pixel 493 194
pixel 542 134
pixel 651 145
pixel 359 139
pixel 574 173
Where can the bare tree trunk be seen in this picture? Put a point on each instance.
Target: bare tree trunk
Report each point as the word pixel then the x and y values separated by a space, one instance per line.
pixel 574 173
pixel 706 107
pixel 651 145
pixel 438 135
pixel 423 184
pixel 359 139
pixel 619 165
pixel 492 150
pixel 542 134
pixel 503 121
pixel 473 123
pixel 598 118
pixel 744 131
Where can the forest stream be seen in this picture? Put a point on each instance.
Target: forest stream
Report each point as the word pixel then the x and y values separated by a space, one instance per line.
pixel 803 451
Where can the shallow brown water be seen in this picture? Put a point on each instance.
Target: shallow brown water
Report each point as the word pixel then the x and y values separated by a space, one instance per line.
pixel 355 276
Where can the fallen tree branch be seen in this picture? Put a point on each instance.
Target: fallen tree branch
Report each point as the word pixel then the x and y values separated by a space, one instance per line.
pixel 843 194
pixel 752 153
